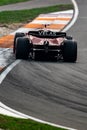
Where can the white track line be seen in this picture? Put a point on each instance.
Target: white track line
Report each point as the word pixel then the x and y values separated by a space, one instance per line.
pixel 76 13
pixel 4 74
pixel 6 110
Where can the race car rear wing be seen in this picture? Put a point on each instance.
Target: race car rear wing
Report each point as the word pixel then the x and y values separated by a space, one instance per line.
pixel 47 34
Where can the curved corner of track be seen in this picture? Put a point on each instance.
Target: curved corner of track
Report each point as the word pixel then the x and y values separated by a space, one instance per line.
pixel 61 87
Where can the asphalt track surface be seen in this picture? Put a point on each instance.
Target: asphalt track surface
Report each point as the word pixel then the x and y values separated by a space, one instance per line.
pixel 33 4
pixel 52 91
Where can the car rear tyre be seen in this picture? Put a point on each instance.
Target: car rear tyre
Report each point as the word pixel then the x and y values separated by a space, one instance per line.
pixel 22 48
pixel 70 51
pixel 16 36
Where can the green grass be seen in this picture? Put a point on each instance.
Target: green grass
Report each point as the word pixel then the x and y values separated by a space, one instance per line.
pixel 27 15
pixel 6 2
pixel 10 123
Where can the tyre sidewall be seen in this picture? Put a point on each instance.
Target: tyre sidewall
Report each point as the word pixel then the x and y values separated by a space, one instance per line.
pixel 70 51
pixel 17 35
pixel 22 48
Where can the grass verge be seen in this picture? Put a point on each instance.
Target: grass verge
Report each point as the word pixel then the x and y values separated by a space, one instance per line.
pixel 28 15
pixel 10 123
pixel 6 2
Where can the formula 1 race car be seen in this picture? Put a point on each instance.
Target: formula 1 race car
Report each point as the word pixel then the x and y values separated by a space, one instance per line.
pixel 45 44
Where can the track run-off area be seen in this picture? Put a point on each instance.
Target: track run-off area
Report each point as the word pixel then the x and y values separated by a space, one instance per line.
pixel 55 92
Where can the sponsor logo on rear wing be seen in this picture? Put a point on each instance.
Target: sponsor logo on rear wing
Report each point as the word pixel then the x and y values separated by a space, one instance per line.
pixel 47 34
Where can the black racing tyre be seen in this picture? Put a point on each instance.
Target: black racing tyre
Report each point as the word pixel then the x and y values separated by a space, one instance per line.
pixel 69 37
pixel 70 51
pixel 22 48
pixel 16 36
